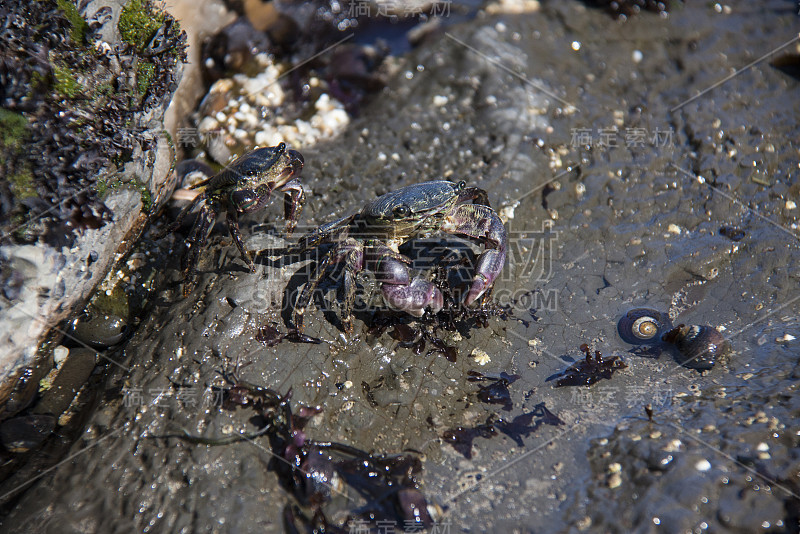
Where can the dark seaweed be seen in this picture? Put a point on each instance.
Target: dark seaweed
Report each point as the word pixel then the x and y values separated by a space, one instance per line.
pixel 521 426
pixel 270 336
pixel 497 392
pixel 589 370
pixel 312 471
pixel 75 108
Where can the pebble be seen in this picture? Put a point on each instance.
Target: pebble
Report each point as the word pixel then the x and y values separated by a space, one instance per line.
pixel 703 465
pixel 208 124
pixel 480 356
pixel 60 354
pixel 506 213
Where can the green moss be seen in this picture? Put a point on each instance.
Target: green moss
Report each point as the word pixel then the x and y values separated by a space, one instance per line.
pixel 138 22
pixel 13 133
pixel 13 130
pixel 79 26
pixel 22 185
pixel 144 77
pixel 38 82
pixel 104 89
pixel 144 192
pixel 66 83
pixel 104 185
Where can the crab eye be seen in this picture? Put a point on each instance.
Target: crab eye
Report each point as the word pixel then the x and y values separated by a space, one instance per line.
pixel 402 211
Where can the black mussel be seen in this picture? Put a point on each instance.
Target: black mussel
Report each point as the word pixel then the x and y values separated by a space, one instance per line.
pixel 642 326
pixel 192 171
pixel 733 233
pixel 18 392
pixel 21 434
pixel 99 330
pixel 699 346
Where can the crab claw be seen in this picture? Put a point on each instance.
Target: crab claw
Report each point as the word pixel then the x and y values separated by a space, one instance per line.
pixel 489 267
pixel 414 297
pixel 481 223
pixel 400 292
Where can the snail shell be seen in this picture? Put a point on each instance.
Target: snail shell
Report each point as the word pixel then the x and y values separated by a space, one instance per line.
pixel 700 346
pixel 642 326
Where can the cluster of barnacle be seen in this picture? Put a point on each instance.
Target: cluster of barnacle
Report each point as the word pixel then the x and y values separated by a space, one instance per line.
pixel 314 472
pixel 67 110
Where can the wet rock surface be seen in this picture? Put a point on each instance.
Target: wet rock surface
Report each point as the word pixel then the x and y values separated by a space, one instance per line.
pixel 86 161
pixel 592 153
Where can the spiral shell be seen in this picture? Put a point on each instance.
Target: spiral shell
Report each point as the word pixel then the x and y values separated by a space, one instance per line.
pixel 699 346
pixel 643 326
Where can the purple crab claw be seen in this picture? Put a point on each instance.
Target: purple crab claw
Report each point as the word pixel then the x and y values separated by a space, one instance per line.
pixel 489 267
pixel 414 297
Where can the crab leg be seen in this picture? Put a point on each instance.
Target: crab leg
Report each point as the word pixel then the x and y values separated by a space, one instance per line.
pixel 475 194
pixel 400 292
pixel 308 291
pixel 322 233
pixel 194 245
pixel 236 234
pixel 181 216
pixel 481 223
pixel 351 252
pixel 293 201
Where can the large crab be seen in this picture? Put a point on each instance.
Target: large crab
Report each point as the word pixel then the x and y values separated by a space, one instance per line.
pixel 243 186
pixel 370 240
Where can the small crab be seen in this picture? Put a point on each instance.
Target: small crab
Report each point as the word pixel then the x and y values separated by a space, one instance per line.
pixel 370 240
pixel 243 186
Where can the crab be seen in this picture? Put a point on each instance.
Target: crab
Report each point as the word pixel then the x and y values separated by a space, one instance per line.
pixel 244 186
pixel 370 240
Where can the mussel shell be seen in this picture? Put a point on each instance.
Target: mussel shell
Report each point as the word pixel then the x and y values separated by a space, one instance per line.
pixel 21 434
pixel 643 326
pixel 99 330
pixel 699 346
